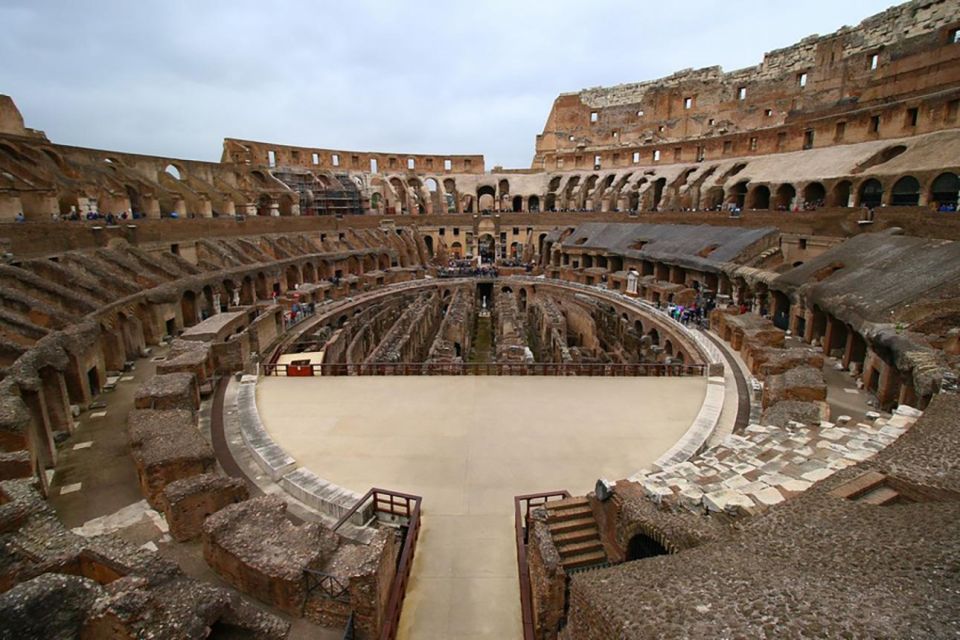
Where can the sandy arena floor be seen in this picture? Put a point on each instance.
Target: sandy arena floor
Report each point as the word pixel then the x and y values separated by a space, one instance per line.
pixel 468 445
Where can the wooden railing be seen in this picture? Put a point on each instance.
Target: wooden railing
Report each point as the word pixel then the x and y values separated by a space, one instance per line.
pixel 485 369
pixel 522 506
pixel 400 507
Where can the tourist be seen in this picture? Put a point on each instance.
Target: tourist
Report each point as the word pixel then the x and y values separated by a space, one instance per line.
pixel 20 217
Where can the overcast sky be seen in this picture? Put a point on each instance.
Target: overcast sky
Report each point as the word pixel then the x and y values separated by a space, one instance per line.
pixel 174 78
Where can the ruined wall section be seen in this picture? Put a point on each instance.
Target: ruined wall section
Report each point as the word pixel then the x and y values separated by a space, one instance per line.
pixel 819 76
pixel 456 330
pixel 548 330
pixel 411 335
pixel 510 322
pixel 249 152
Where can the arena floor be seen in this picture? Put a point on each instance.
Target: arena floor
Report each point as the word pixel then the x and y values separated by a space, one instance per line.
pixel 468 445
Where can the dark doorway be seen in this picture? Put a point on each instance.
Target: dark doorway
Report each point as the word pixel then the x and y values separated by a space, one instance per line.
pixel 93 381
pixel 643 546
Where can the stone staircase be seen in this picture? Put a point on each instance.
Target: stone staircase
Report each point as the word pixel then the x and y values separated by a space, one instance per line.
pixel 575 533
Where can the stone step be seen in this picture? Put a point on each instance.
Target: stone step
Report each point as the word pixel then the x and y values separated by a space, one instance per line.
pixel 585 560
pixel 579 548
pixel 568 509
pixel 860 485
pixel 565 526
pixel 578 535
pixel 569 514
pixel 879 496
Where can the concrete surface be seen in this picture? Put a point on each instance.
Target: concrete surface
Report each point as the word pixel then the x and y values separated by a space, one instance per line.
pixel 468 445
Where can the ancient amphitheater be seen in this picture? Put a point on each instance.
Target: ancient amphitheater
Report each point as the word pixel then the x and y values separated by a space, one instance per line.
pixel 693 374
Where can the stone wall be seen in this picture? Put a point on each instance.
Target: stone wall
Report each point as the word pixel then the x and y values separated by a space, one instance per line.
pixel 188 502
pixel 166 446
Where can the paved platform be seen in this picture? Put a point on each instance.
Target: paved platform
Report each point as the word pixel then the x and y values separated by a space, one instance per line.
pixel 468 445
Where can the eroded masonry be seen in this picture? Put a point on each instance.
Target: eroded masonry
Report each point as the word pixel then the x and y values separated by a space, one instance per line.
pixel 786 233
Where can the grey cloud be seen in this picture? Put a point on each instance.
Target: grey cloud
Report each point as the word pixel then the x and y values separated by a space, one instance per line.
pixel 175 78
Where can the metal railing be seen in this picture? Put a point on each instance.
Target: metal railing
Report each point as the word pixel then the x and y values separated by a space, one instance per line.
pixel 522 506
pixel 398 507
pixel 327 584
pixel 485 369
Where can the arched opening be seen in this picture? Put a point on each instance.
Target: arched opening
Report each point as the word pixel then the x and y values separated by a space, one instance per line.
pixel 713 200
pixel 264 205
pixel 188 308
pixel 136 203
pixel 246 291
pixel 871 193
pixel 286 205
pixel 375 201
pixel 428 242
pixel 551 202
pixel 784 197
pixel 517 204
pixel 68 203
pixel 523 299
pixel 486 198
pixel 738 195
pixel 533 204
pixel 759 197
pixel 781 310
pixel 654 336
pixel 293 276
pixel 668 347
pixel 638 327
pixel 309 272
pixel 261 287
pixel 814 195
pixel 944 191
pixel 173 172
pixel 841 193
pixel 905 192
pixel 456 250
pixel 657 193
pixel 207 309
pixel 486 248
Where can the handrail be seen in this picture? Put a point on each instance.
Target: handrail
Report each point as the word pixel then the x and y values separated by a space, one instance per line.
pixel 609 369
pixel 404 505
pixel 522 505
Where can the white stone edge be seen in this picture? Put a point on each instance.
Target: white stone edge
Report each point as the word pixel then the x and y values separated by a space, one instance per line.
pixel 301 483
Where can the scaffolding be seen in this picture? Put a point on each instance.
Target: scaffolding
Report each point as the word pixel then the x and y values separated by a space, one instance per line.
pixel 318 199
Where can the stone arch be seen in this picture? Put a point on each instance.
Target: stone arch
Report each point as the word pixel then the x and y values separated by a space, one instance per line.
pixel 784 197
pixel 533 204
pixel 286 205
pixel 870 193
pixel 738 194
pixel 247 296
pixel 174 170
pixel 260 287
pixel 309 272
pixel 905 192
pixel 293 276
pixel 840 195
pixel 759 197
pixel 517 204
pixel 814 194
pixel 713 198
pixel 188 308
pixel 654 336
pixel 486 198
pixel 264 204
pixel 944 190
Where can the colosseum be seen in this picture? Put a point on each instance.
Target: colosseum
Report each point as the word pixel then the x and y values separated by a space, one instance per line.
pixel 692 374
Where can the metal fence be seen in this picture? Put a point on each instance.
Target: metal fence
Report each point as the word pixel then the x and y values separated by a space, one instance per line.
pixel 485 369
